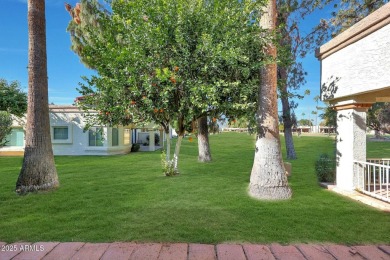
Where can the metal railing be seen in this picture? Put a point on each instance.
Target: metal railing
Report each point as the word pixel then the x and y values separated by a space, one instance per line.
pixel 373 177
pixel 381 161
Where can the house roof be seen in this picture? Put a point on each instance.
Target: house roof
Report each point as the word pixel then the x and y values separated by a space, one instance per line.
pixel 64 108
pixel 366 26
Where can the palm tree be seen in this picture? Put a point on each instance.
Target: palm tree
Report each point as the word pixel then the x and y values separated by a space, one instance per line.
pixel 268 179
pixel 38 171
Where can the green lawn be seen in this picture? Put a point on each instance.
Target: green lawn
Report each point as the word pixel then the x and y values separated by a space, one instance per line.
pixel 126 198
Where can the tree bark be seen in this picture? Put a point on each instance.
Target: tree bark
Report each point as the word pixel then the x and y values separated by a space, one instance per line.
pixel 38 171
pixel 291 155
pixel 203 140
pixel 177 152
pixel 377 134
pixel 180 136
pixel 268 179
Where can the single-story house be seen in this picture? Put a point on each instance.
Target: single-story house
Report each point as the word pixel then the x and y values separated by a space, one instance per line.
pixel 69 137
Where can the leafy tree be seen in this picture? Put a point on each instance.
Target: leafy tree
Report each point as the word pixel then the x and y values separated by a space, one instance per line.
pixel 12 98
pixel 5 126
pixel 384 118
pixel 241 122
pixel 293 43
pixel 268 179
pixel 213 125
pixel 349 12
pixel 345 14
pixel 294 121
pixel 378 118
pixel 38 171
pixel 166 61
pixel 330 117
pixel 372 118
pixel 305 122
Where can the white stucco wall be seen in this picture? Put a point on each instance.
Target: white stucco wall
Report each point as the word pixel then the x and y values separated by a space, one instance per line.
pixel 361 67
pixel 78 140
pixel 351 145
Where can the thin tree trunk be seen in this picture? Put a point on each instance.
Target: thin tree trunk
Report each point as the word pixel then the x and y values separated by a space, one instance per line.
pixel 291 155
pixel 180 135
pixel 38 171
pixel 168 139
pixel 268 179
pixel 203 140
pixel 377 134
pixel 177 152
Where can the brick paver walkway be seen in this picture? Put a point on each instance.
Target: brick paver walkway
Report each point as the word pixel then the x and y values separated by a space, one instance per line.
pixel 184 251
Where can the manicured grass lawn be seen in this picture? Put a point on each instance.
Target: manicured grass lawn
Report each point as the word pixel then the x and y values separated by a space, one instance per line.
pixel 378 149
pixel 126 198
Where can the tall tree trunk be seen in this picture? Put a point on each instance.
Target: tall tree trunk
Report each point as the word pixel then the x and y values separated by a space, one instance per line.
pixel 286 115
pixel 268 179
pixel 203 140
pixel 38 171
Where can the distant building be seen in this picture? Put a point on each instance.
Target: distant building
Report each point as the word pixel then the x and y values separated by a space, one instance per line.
pixel 68 136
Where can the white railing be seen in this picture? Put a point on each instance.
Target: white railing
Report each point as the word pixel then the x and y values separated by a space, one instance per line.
pixel 381 161
pixel 373 177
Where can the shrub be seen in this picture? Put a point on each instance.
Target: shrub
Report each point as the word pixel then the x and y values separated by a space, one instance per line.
pixel 5 126
pixel 168 166
pixel 135 148
pixel 325 168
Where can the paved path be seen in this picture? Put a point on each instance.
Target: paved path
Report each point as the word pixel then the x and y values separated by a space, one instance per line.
pixel 184 251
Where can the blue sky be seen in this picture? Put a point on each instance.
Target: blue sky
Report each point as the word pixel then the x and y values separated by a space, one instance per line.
pixel 65 69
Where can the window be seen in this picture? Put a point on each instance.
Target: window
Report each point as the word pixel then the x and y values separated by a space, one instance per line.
pixel 126 136
pixel 15 138
pixel 96 137
pixel 115 137
pixel 60 133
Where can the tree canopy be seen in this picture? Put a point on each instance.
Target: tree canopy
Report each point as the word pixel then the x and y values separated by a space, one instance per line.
pixel 5 126
pixel 378 118
pixel 168 60
pixel 349 12
pixel 12 98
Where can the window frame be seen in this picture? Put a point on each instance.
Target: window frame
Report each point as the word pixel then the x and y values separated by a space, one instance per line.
pixel 15 130
pixel 116 143
pixel 96 130
pixel 127 136
pixel 69 140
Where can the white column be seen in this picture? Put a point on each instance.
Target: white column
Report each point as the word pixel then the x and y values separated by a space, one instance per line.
pixel 351 145
pixel 151 140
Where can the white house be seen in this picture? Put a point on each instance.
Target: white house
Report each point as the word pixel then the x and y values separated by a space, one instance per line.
pixel 68 136
pixel 355 73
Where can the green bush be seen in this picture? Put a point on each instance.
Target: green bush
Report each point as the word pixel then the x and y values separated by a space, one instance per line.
pixel 168 166
pixel 5 126
pixel 135 148
pixel 325 168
